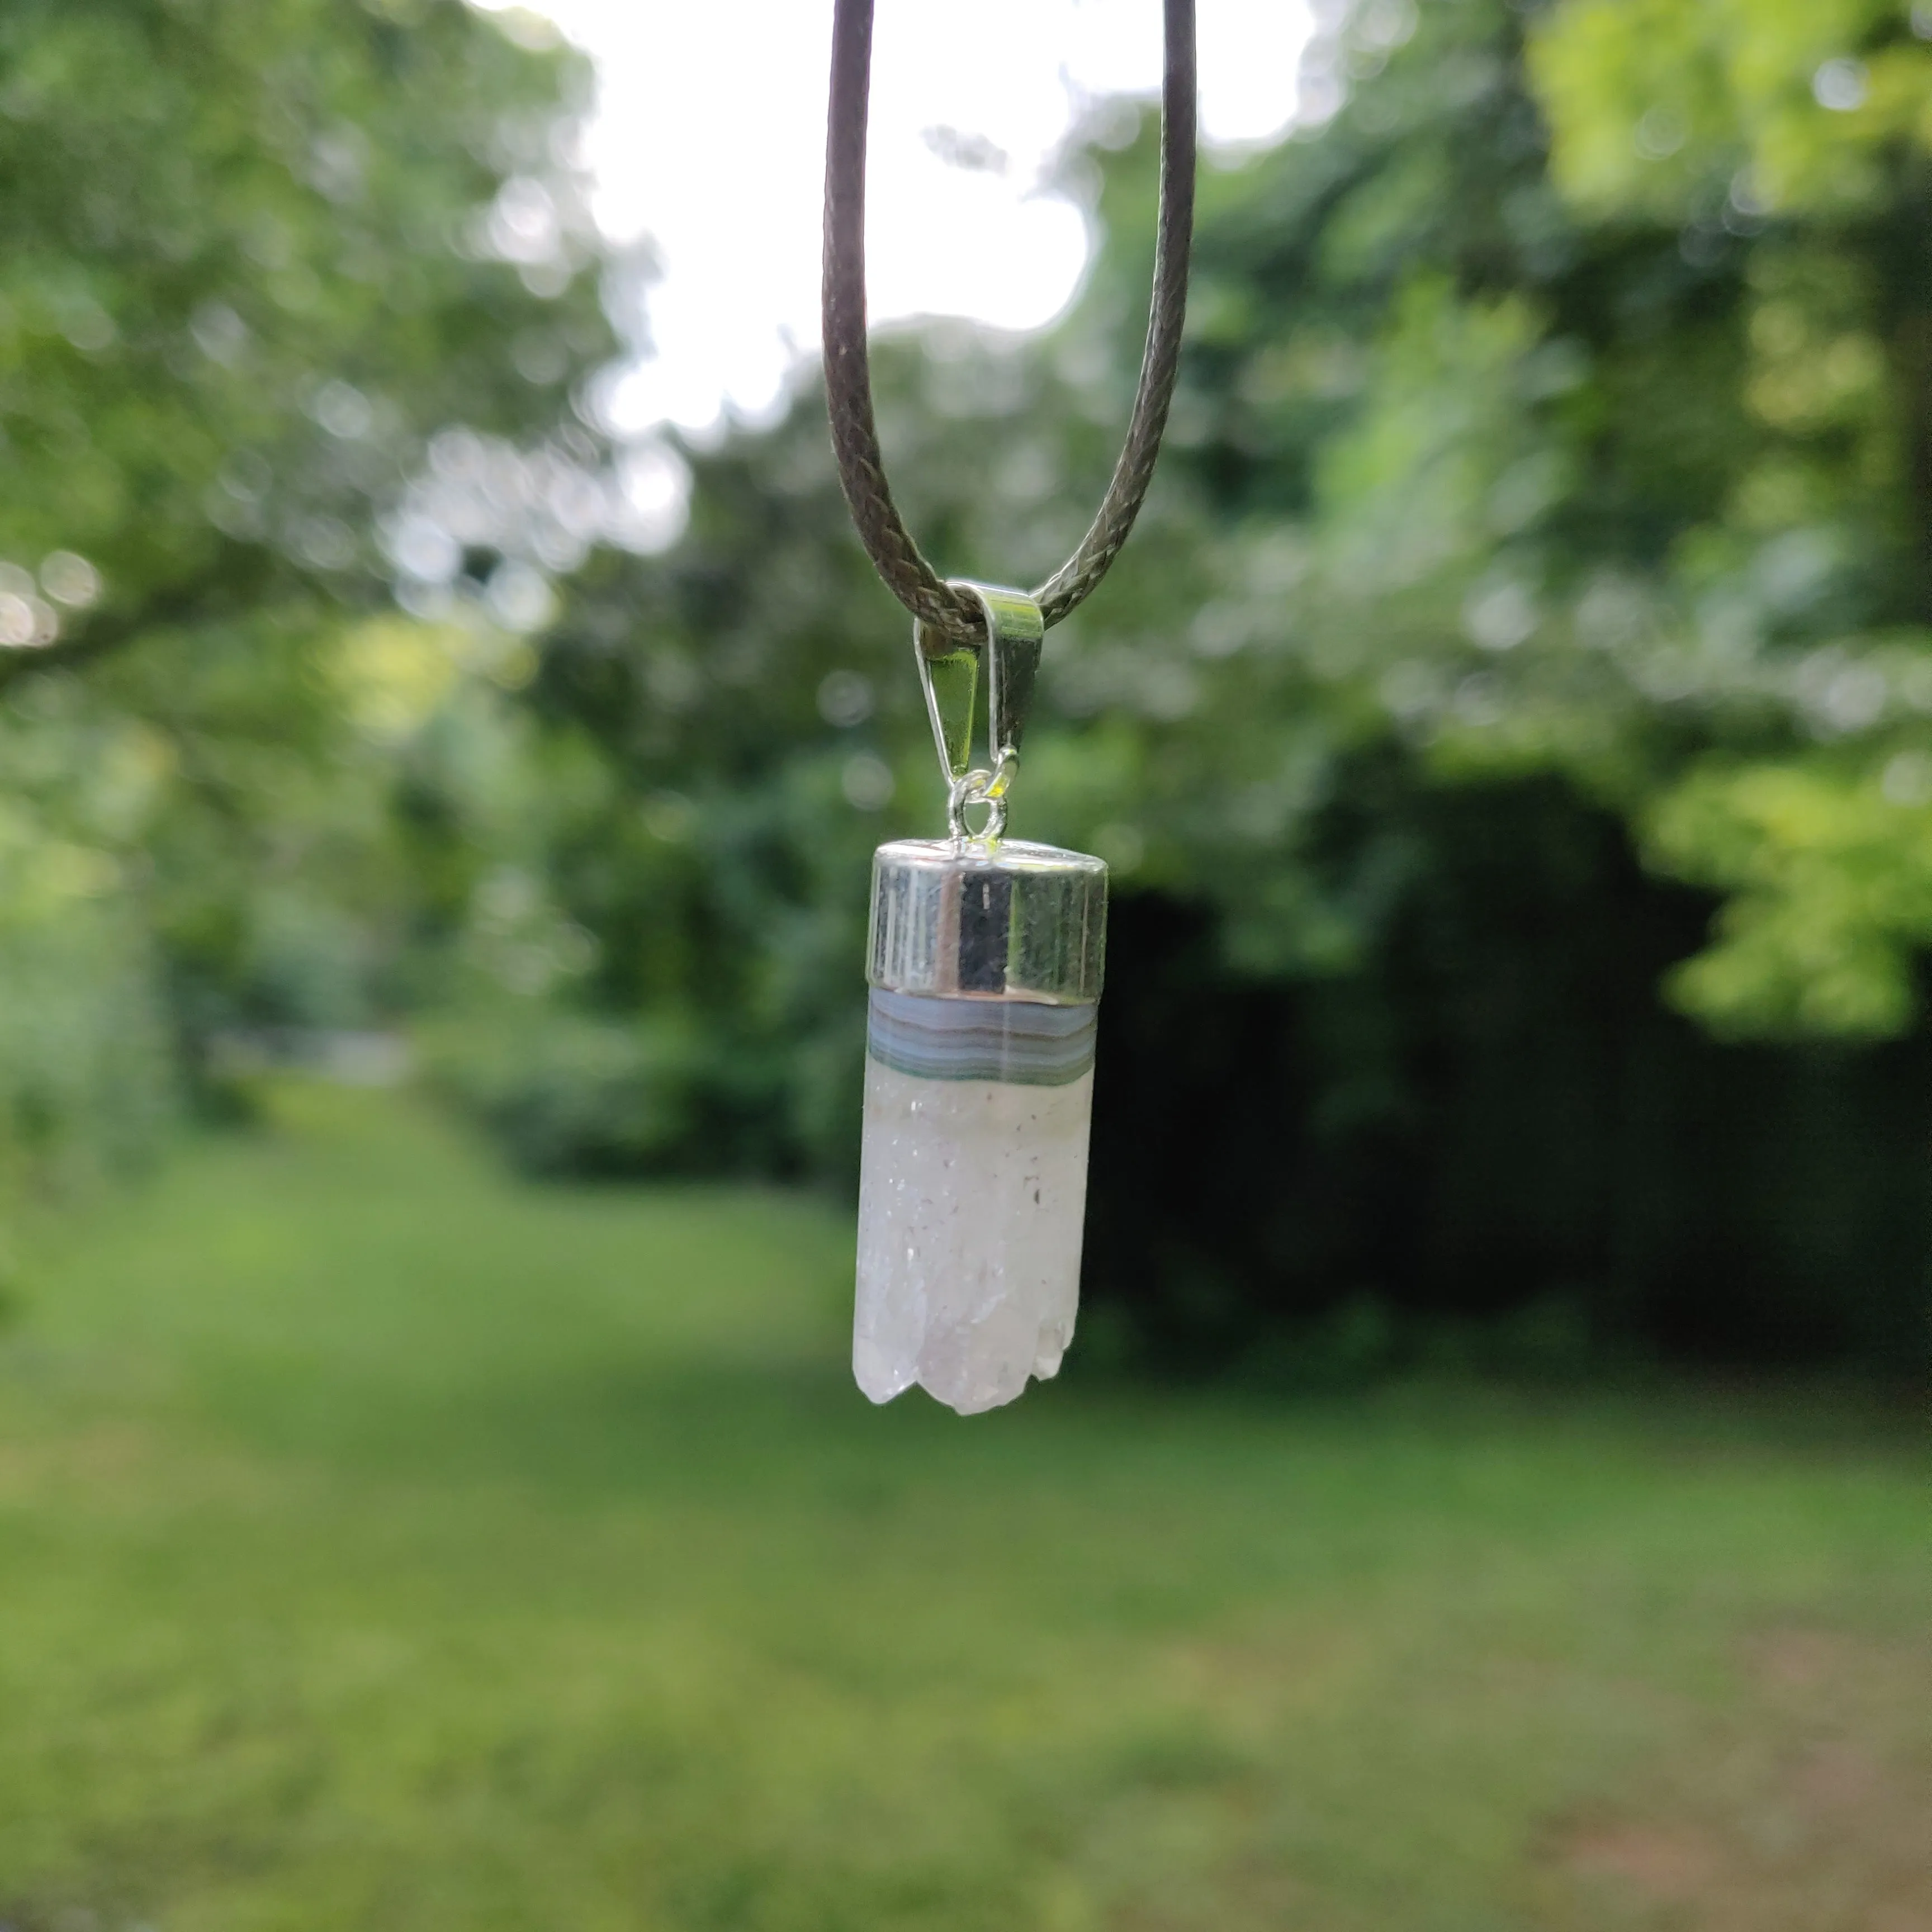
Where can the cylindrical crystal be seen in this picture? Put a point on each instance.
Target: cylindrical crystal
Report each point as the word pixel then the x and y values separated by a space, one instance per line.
pixel 985 966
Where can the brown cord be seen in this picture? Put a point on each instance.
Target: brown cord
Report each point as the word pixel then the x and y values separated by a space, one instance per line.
pixel 955 613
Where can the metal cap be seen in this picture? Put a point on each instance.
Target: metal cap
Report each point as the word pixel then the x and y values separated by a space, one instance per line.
pixel 1013 921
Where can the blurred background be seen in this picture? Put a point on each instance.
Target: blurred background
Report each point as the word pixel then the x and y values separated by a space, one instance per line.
pixel 445 718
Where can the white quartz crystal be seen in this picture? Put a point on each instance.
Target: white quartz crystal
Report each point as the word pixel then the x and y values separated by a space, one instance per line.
pixel 971 1198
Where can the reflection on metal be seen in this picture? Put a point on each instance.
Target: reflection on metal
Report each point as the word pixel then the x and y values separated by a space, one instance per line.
pixel 949 674
pixel 1015 922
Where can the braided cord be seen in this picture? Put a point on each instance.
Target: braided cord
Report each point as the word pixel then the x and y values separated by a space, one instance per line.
pixel 953 613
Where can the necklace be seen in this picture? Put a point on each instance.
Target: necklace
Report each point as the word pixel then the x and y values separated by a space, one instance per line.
pixel 985 954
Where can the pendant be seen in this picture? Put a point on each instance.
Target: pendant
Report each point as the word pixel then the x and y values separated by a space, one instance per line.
pixel 984 962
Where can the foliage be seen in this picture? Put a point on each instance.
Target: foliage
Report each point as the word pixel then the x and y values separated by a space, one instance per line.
pixel 256 260
pixel 1520 437
pixel 1551 476
pixel 86 1064
pixel 387 1544
pixel 1830 869
pixel 251 256
pixel 568 1093
pixel 1765 105
pixel 1806 130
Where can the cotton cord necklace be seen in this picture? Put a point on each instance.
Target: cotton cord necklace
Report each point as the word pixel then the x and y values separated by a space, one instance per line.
pixel 985 954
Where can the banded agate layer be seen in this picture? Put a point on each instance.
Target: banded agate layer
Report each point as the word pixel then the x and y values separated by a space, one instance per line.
pixel 972 1194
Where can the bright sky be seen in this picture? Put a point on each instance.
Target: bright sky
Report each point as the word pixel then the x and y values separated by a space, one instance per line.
pixel 710 139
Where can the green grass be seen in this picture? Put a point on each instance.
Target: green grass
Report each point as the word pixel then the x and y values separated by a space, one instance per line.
pixel 385 1545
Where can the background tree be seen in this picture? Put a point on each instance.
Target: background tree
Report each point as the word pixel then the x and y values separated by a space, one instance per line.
pixel 262 267
pixel 1540 499
pixel 1541 554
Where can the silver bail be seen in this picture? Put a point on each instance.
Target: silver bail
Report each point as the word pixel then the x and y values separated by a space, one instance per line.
pixel 949 674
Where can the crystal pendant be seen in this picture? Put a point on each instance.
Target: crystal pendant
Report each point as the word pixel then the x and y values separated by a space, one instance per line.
pixel 984 963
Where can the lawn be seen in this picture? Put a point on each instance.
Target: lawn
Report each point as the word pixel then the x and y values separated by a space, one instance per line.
pixel 386 1545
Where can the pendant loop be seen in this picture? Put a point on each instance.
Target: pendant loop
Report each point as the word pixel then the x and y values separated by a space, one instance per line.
pixel 975 788
pixel 949 674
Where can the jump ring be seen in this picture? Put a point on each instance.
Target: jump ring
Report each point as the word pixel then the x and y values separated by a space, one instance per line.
pixel 975 788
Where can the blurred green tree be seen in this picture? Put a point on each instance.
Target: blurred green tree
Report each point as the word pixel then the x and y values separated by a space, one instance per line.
pixel 264 266
pixel 1549 489
pixel 1553 430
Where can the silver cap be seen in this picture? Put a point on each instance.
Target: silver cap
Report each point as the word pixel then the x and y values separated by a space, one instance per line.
pixel 1014 921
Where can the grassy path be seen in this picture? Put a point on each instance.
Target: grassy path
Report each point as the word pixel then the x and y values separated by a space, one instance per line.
pixel 383 1545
